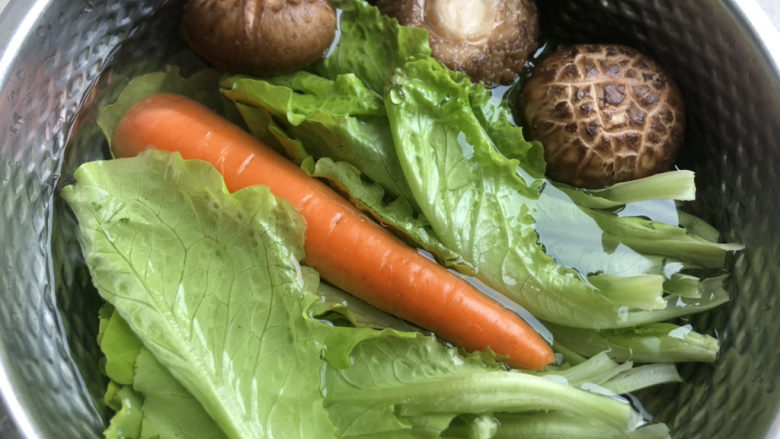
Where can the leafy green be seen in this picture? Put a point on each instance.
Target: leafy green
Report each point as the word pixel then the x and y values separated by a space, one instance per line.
pixel 208 280
pixel 128 418
pixel 338 307
pixel 120 347
pixel 639 291
pixel 231 339
pixel 152 403
pixel 643 376
pixel 497 121
pixel 487 208
pixel 420 380
pixel 652 343
pixel 555 425
pixel 602 374
pixel 340 119
pixel 655 238
pixel 170 411
pixel 671 185
pixel 372 45
pixel 597 370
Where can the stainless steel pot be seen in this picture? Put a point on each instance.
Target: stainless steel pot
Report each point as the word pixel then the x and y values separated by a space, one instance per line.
pixel 60 58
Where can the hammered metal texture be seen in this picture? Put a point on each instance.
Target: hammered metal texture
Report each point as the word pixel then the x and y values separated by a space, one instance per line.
pixel 733 143
pixel 82 52
pixel 47 314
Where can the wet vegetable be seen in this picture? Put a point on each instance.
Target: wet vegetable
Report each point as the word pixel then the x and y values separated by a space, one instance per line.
pixel 259 37
pixel 209 331
pixel 434 157
pixel 605 114
pixel 348 249
pixel 489 40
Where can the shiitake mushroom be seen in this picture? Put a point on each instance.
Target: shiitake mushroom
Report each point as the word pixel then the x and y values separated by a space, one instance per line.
pixel 259 37
pixel 489 40
pixel 604 113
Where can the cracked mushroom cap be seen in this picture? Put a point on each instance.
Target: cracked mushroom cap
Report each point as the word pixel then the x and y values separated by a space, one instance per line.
pixel 489 40
pixel 604 113
pixel 259 37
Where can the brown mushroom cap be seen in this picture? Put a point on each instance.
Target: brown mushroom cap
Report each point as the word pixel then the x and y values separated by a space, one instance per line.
pixel 605 114
pixel 259 37
pixel 489 40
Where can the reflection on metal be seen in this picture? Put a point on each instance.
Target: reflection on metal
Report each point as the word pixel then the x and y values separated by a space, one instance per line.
pixel 58 59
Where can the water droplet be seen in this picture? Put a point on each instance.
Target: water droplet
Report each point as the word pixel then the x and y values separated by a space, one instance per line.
pixel 465 146
pixel 397 95
pixel 680 332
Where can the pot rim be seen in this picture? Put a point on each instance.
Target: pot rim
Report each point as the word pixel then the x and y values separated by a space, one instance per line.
pixel 18 21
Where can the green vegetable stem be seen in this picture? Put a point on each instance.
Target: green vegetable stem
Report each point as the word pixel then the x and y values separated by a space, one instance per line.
pixel 214 329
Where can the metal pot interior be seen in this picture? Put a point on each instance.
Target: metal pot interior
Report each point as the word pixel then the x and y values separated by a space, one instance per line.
pixel 68 58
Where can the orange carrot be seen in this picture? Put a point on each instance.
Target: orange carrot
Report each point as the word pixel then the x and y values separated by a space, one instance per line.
pixel 348 249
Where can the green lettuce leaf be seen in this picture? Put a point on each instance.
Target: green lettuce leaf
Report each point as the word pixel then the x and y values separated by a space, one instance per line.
pixel 651 237
pixel 398 387
pixel 372 45
pixel 487 207
pixel 210 283
pixel 672 185
pixel 557 425
pixel 496 118
pixel 153 403
pixel 339 119
pixel 169 410
pixel 128 419
pixel 651 343
pixel 602 374
pixel 120 347
pixel 338 307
